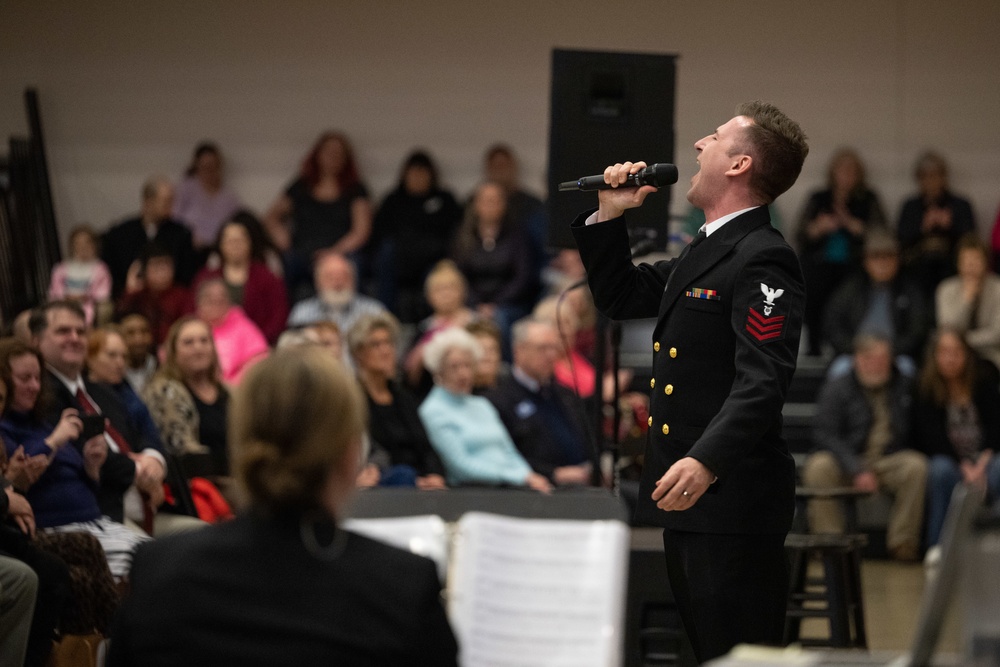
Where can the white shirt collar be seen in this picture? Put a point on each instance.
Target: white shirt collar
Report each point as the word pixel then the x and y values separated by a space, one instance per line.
pixel 72 385
pixel 529 382
pixel 714 226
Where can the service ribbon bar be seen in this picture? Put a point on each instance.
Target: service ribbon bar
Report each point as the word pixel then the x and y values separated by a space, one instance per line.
pixel 699 293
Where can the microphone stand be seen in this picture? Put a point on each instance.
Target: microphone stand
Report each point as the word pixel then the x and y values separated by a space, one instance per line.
pixel 607 331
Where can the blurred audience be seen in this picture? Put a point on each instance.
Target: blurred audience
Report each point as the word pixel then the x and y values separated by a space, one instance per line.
pixel 155 294
pixel 446 292
pixel 995 243
pixel 34 584
pixel 337 299
pixel 238 342
pixel 525 210
pixel 394 423
pixel 141 363
pixel 878 301
pixel 464 429
pixel 493 255
pixel 831 232
pixel 956 423
pixel 186 397
pixel 412 231
pixel 293 587
pixel 122 245
pixel 20 328
pixel 970 301
pixel 931 223
pixel 490 366
pixel 106 364
pixel 83 277
pixel 325 209
pixel 862 438
pixel 18 590
pixel 131 480
pixel 328 335
pixel 546 421
pixel 241 262
pixel 203 201
pixel 60 478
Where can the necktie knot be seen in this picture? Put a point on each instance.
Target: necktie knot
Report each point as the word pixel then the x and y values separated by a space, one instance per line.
pixel 701 236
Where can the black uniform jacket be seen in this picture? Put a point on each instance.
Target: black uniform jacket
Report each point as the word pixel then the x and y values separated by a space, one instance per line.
pixel 724 349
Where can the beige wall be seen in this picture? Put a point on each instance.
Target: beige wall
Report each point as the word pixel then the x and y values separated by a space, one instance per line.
pixel 127 88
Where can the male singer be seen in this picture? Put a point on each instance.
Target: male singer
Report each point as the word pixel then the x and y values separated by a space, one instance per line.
pixel 718 476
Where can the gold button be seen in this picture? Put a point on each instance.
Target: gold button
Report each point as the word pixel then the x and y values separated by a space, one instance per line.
pixel 666 430
pixel 650 422
pixel 652 382
pixel 673 353
pixel 669 389
pixel 656 346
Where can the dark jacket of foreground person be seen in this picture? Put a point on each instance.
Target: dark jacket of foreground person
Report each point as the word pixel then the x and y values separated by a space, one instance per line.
pixel 249 592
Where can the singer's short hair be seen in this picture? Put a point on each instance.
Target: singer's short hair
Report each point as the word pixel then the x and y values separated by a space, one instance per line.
pixel 778 148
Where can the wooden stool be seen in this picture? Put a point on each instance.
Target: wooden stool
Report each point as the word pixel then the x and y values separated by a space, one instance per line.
pixel 836 595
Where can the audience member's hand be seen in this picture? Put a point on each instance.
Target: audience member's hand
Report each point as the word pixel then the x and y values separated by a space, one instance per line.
pixel 67 429
pixel 538 483
pixel 369 476
pixel 971 289
pixel 936 218
pixel 682 485
pixel 154 495
pixel 95 452
pixel 431 482
pixel 578 475
pixel 974 474
pixel 133 278
pixel 854 225
pixel 20 510
pixel 822 225
pixel 866 481
pixel 486 310
pixel 149 472
pixel 24 470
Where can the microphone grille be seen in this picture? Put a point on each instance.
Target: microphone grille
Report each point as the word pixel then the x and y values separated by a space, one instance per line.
pixel 664 174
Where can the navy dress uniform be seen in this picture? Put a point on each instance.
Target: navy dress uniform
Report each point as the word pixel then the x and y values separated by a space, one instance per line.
pixel 724 348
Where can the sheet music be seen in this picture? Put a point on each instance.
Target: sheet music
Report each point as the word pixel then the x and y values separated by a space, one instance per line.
pixel 423 535
pixel 538 593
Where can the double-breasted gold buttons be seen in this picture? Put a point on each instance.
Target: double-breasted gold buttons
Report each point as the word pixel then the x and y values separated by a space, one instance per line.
pixel 669 389
pixel 666 429
pixel 650 422
pixel 652 383
pixel 656 346
pixel 673 353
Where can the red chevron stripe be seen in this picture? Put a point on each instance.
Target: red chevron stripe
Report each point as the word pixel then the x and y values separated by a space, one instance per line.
pixel 769 328
pixel 763 337
pixel 766 320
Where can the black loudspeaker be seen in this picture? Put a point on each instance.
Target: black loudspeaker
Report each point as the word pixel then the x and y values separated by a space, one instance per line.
pixel 607 108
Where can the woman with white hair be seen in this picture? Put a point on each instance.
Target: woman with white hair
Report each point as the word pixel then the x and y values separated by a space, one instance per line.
pixel 464 429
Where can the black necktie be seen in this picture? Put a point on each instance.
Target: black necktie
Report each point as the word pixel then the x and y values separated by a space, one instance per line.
pixel 699 238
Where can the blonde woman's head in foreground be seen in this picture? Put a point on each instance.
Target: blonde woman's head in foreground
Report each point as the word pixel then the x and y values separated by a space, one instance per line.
pixel 295 428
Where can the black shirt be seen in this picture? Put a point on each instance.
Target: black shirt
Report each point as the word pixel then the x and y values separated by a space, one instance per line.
pixel 212 429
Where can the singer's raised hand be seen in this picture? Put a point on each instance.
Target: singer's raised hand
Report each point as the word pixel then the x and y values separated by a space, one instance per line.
pixel 617 200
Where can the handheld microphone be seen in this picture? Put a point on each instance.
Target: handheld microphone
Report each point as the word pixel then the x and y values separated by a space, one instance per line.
pixel 657 175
